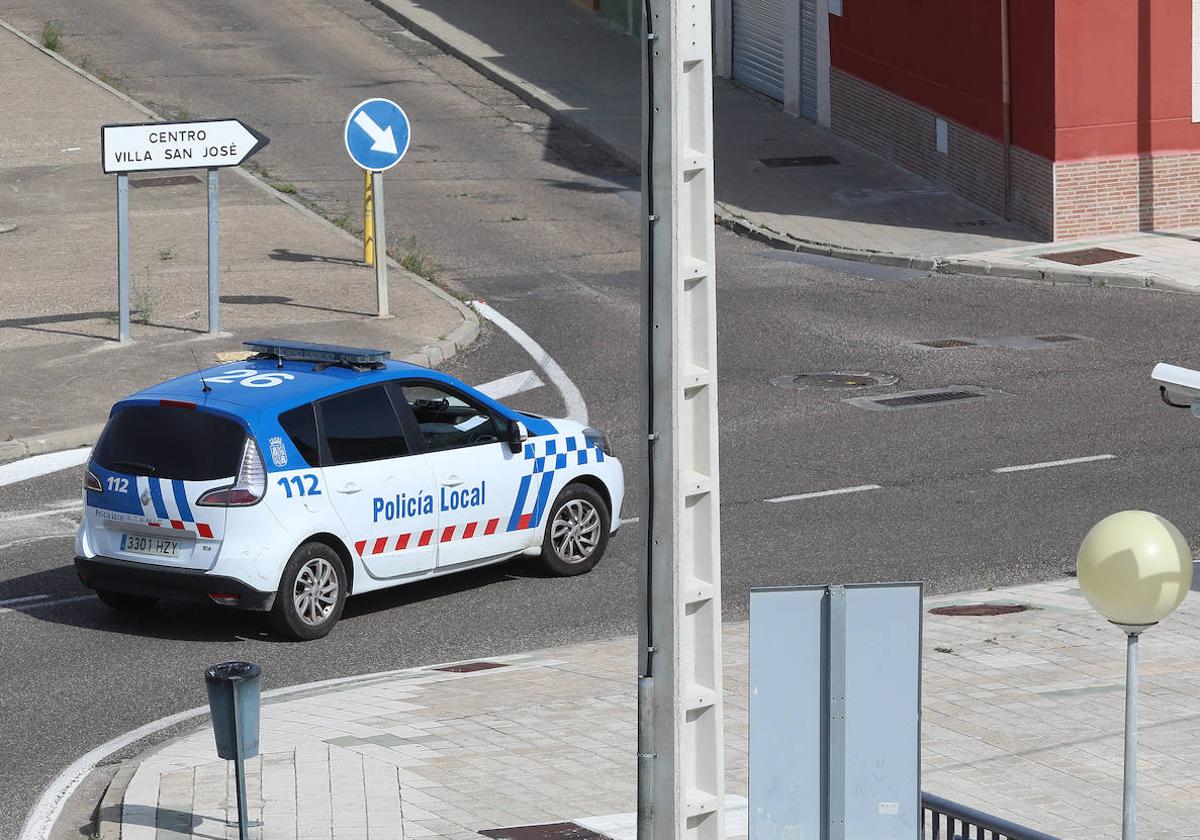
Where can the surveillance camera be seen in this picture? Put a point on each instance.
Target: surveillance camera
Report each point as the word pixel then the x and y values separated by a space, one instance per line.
pixel 1183 384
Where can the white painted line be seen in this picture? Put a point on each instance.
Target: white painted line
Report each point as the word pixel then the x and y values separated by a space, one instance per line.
pixel 624 826
pixel 40 604
pixel 631 520
pixel 26 599
pixel 49 806
pixel 40 465
pixel 1046 464
pixel 576 409
pixel 514 383
pixel 822 493
pixel 57 511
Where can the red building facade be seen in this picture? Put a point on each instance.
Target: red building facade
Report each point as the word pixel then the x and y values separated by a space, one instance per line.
pixel 1098 133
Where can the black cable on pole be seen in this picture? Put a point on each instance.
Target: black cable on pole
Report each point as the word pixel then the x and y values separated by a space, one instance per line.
pixel 648 180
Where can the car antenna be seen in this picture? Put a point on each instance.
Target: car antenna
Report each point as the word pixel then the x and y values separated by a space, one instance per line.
pixel 206 388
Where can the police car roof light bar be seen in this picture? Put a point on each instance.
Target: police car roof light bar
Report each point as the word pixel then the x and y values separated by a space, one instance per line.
pixel 307 351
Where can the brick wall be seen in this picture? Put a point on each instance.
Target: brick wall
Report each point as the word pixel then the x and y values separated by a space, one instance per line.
pixel 1059 200
pixel 899 130
pixel 1031 201
pixel 1119 195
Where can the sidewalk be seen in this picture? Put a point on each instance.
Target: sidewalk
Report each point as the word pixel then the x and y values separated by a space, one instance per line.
pixel 285 272
pixel 1022 719
pixel 572 64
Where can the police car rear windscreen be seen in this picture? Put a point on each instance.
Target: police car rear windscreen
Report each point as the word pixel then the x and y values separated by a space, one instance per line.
pixel 170 442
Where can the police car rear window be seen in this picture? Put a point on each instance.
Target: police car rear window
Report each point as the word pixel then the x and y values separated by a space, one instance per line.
pixel 170 442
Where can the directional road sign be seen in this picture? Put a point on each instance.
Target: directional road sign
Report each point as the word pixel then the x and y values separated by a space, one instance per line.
pixel 377 134
pixel 204 144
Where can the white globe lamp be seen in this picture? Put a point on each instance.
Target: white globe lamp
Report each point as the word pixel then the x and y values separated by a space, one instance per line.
pixel 1135 569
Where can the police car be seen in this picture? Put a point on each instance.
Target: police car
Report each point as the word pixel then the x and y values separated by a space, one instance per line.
pixel 308 473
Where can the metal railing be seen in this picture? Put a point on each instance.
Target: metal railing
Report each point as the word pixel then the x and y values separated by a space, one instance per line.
pixel 946 820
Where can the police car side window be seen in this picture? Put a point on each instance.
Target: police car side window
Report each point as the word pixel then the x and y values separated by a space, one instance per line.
pixel 447 420
pixel 301 426
pixel 361 426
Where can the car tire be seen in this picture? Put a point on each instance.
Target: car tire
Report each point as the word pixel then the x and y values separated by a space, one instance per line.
pixel 306 605
pixel 126 603
pixel 576 531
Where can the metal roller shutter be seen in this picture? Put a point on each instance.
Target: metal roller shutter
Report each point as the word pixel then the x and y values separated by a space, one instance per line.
pixel 758 45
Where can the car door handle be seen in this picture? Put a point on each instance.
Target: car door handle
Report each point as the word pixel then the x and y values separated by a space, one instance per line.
pixel 351 487
pixel 452 481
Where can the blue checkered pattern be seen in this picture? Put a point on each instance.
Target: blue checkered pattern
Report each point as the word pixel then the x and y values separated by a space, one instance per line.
pixel 547 455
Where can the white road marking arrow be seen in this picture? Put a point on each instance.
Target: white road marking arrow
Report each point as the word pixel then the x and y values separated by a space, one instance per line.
pixel 382 139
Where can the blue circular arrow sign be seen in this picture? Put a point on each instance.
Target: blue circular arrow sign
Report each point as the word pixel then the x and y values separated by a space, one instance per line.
pixel 377 134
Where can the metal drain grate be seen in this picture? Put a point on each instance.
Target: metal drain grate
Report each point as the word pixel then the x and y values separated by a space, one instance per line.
pixel 979 609
pixel 925 398
pixel 946 343
pixel 803 160
pixel 165 181
pixel 544 831
pixel 469 667
pixel 1058 339
pixel 1087 256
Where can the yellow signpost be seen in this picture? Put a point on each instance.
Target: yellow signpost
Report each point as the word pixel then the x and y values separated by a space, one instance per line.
pixel 368 220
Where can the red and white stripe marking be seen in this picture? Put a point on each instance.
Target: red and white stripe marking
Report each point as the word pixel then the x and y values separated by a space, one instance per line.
pixel 400 542
pixel 201 528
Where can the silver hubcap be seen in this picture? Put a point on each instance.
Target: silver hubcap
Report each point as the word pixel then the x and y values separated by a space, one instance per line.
pixel 575 531
pixel 315 593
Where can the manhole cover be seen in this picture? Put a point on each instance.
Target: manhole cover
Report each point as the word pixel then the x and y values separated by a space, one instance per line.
pixel 469 667
pixel 980 609
pixel 834 379
pixel 946 343
pixel 1087 256
pixel 803 160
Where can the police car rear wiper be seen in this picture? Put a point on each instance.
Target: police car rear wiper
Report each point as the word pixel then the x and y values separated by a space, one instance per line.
pixel 136 466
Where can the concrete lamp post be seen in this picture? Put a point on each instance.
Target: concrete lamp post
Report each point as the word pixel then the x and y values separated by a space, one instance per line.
pixel 1135 568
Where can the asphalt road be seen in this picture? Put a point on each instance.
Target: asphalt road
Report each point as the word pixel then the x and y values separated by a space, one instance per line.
pixel 527 216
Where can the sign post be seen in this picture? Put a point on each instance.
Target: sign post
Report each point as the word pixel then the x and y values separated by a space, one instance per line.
pixel 214 260
pixel 147 147
pixel 377 134
pixel 123 258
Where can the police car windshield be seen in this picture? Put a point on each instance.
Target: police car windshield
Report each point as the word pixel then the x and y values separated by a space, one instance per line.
pixel 170 442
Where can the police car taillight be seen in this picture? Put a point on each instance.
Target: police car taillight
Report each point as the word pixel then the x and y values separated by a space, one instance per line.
pixel 91 482
pixel 249 486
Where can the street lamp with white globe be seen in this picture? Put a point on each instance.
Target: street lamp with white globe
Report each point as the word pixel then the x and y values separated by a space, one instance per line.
pixel 1135 568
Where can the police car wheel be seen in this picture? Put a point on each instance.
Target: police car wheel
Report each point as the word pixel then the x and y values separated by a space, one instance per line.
pixel 124 602
pixel 312 593
pixel 576 531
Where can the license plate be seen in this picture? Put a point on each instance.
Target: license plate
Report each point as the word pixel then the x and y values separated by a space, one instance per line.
pixel 154 546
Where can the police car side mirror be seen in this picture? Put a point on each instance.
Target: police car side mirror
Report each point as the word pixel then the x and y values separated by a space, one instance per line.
pixel 517 435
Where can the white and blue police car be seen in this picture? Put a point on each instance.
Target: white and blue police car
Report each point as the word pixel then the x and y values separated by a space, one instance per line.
pixel 307 473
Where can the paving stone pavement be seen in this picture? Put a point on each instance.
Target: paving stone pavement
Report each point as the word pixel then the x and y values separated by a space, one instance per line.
pixel 1023 717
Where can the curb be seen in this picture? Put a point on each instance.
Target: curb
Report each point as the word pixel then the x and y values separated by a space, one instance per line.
pixel 731 219
pixel 108 812
pixel 430 355
pixel 12 450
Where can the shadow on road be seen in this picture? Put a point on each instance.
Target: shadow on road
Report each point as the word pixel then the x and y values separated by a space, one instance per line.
pixel 196 622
